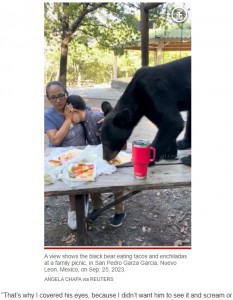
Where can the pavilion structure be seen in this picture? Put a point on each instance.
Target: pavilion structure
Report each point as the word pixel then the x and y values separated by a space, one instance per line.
pixel 158 43
pixel 161 40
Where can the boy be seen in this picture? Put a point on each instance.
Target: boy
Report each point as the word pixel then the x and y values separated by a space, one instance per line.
pixel 88 118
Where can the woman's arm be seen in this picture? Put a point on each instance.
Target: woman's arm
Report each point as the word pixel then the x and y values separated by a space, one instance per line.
pixel 57 136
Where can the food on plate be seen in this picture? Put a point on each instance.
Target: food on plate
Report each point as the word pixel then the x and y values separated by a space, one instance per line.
pixel 65 157
pixel 48 179
pixel 121 159
pixel 115 161
pixel 81 170
pixel 70 154
pixel 55 162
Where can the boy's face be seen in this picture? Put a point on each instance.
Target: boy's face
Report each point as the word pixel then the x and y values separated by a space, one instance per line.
pixel 76 116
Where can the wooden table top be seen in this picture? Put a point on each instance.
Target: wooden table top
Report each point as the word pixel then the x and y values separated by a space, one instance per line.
pixel 165 174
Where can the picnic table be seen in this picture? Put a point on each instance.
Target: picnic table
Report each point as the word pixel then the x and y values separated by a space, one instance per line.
pixel 165 174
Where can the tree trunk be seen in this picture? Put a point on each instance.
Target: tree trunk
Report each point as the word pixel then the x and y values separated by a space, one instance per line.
pixel 66 35
pixel 63 60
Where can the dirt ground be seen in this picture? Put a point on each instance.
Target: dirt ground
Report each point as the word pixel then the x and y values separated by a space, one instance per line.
pixel 154 217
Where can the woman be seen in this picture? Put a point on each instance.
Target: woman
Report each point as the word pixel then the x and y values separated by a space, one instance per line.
pixel 61 131
pixel 58 119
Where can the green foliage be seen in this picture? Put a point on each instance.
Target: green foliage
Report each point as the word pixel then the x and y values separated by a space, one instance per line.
pixel 129 63
pixel 109 25
pixel 90 63
pixel 173 55
pixel 95 32
pixel 161 15
pixel 51 61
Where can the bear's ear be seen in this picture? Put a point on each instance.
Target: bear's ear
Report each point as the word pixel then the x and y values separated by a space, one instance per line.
pixel 122 118
pixel 106 107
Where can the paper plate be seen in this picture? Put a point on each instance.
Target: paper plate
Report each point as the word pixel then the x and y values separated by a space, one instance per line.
pixel 67 156
pixel 87 174
pixel 121 159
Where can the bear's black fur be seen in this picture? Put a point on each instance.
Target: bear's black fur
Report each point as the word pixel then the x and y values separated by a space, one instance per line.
pixel 159 93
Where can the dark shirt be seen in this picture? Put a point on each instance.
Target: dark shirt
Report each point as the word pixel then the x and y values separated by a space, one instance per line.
pixel 91 127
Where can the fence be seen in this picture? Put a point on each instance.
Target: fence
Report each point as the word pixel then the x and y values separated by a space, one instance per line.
pixel 84 83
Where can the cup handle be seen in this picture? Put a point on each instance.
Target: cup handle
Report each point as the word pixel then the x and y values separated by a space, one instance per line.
pixel 154 153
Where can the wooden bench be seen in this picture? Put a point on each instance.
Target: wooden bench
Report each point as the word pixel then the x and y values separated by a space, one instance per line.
pixel 86 83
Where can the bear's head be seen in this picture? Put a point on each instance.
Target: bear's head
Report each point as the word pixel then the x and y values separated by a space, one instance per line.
pixel 115 130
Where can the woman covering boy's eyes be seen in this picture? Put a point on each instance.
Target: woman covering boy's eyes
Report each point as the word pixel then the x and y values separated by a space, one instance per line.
pixel 58 120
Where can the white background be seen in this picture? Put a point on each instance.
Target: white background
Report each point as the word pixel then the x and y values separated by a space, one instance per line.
pixel 210 263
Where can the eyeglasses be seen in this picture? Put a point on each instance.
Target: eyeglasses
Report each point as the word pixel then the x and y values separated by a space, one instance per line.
pixel 55 98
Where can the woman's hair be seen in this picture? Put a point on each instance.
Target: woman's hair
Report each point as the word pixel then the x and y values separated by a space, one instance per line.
pixel 59 83
pixel 77 102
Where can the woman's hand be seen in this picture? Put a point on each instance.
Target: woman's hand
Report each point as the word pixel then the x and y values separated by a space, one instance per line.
pixel 68 111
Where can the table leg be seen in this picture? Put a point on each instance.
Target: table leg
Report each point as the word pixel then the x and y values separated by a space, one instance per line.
pixel 82 238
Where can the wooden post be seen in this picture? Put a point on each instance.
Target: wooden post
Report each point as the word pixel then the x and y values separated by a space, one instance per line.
pixel 144 9
pixel 159 53
pixel 144 35
pixel 82 237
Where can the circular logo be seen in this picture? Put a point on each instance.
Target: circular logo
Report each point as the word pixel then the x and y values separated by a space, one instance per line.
pixel 179 14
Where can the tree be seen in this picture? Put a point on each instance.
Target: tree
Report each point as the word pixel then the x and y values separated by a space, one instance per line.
pixel 108 24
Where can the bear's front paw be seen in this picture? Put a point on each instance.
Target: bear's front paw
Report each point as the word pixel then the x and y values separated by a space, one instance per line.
pixel 186 160
pixel 183 144
pixel 170 156
pixel 166 156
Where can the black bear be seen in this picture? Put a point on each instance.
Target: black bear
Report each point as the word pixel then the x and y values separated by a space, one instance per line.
pixel 159 93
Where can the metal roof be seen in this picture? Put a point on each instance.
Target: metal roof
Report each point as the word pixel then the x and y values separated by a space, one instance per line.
pixel 172 39
pixel 175 33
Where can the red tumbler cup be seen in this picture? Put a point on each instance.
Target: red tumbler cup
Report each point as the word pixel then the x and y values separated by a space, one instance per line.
pixel 141 150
